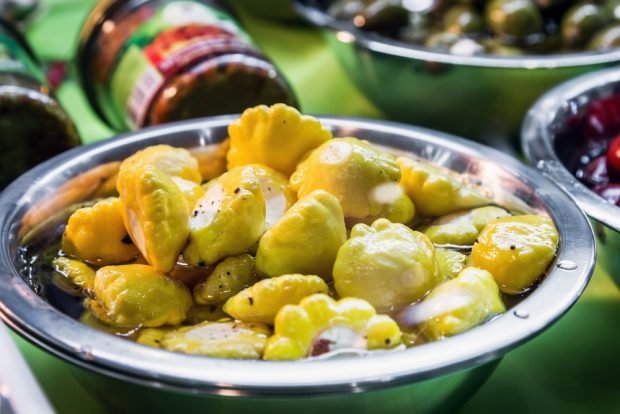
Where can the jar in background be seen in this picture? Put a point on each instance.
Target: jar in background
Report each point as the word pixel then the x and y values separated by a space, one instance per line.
pixel 18 10
pixel 33 127
pixel 147 62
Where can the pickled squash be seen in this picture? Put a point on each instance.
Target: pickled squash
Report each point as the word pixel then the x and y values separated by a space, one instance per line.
pixel 387 264
pixel 138 295
pixel 458 304
pixel 276 136
pixel 155 214
pixel 306 240
pixel 229 277
pixel 516 250
pixel 97 234
pixel 436 191
pixel 261 302
pixel 172 161
pixel 354 172
pixel 319 325
pixel 228 220
pixel 218 339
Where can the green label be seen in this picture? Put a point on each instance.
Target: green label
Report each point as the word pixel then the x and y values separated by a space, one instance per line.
pixel 14 59
pixel 134 84
pixel 178 35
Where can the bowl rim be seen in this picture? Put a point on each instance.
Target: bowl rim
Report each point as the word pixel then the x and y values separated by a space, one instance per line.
pixel 347 33
pixel 72 341
pixel 537 140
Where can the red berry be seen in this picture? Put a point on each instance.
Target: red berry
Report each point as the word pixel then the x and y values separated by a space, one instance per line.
pixel 595 173
pixel 610 192
pixel 321 346
pixel 593 147
pixel 603 118
pixel 613 159
pixel 56 73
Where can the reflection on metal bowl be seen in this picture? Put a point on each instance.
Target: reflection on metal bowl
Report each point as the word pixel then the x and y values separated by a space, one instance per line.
pixel 480 97
pixel 440 376
pixel 545 123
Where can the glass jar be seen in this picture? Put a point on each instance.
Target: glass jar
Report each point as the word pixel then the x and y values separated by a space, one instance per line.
pixel 17 10
pixel 33 127
pixel 147 62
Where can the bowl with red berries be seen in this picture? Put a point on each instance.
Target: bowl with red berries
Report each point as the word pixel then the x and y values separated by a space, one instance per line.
pixel 572 134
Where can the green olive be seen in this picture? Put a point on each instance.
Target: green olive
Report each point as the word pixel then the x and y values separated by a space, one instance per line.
pixel 515 20
pixel 463 19
pixel 496 47
pixel 496 27
pixel 383 15
pixel 439 7
pixel 607 38
pixel 442 41
pixel 545 44
pixel 418 28
pixel 613 8
pixel 581 22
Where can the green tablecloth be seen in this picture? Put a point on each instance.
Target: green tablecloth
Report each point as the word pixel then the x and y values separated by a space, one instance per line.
pixel 570 368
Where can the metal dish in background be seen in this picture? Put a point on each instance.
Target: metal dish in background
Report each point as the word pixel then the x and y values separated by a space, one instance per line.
pixel 545 121
pixel 481 97
pixel 439 376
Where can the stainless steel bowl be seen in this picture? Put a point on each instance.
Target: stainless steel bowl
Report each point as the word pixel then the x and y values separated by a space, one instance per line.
pixel 541 128
pixel 436 376
pixel 479 97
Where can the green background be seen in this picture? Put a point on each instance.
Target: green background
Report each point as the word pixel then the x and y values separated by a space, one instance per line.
pixel 570 368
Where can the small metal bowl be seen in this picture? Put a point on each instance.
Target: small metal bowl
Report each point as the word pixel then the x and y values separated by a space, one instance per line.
pixel 480 97
pixel 441 375
pixel 544 123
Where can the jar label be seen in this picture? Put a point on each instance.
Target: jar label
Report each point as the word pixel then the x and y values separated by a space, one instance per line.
pixel 178 35
pixel 15 60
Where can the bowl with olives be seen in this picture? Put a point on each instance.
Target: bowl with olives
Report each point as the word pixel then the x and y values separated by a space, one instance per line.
pixel 572 134
pixel 236 262
pixel 471 68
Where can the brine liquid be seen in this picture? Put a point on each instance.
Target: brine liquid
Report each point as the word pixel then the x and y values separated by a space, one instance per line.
pixel 35 265
pixel 37 271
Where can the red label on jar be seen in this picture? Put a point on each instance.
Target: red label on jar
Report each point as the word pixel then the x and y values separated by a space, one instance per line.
pixel 182 46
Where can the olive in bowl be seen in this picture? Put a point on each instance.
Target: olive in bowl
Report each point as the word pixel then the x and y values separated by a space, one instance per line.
pixel 134 376
pixel 446 80
pixel 497 27
pixel 571 135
